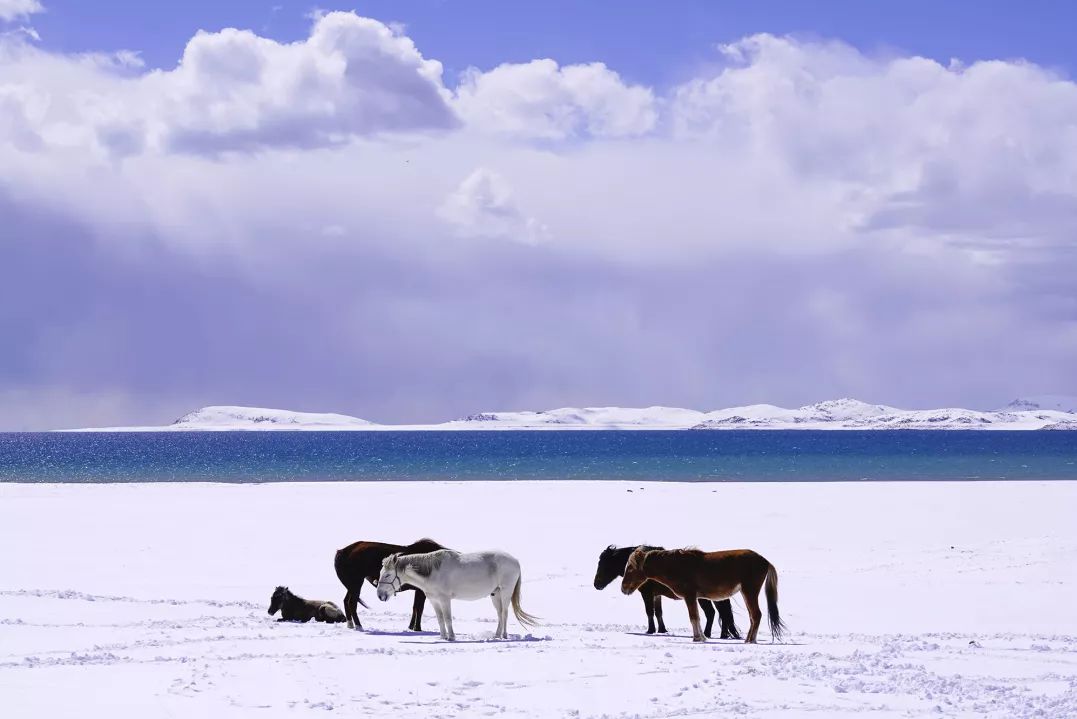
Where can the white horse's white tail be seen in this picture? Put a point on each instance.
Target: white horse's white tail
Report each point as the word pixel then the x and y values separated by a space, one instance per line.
pixel 522 617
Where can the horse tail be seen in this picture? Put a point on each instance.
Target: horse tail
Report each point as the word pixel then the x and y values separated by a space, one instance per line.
pixel 522 617
pixel 777 626
pixel 339 563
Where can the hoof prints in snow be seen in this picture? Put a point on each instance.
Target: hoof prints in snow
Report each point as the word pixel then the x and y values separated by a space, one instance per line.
pixel 238 660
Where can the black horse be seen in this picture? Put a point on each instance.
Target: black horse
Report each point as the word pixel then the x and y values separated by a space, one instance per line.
pixel 361 561
pixel 294 608
pixel 611 564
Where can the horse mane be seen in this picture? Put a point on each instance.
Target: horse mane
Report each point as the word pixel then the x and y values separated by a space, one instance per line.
pixel 635 559
pixel 613 548
pixel 686 552
pixel 424 563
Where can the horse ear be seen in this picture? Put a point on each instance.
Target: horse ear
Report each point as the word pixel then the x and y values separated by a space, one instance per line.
pixel 611 547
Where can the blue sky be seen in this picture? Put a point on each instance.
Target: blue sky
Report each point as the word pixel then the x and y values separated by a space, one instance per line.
pixel 413 211
pixel 650 42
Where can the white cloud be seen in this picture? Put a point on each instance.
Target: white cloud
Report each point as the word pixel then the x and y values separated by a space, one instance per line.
pixel 800 202
pixel 16 9
pixel 483 206
pixel 791 147
pixel 540 100
pixel 234 91
pixel 977 152
pixel 353 76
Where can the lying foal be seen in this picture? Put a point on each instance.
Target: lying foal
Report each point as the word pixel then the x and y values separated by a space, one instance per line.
pixel 296 609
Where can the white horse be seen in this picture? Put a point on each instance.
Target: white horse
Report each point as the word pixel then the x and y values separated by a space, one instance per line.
pixel 445 575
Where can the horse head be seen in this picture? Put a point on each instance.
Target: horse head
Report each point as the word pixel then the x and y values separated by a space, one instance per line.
pixel 634 574
pixel 389 582
pixel 611 564
pixel 276 601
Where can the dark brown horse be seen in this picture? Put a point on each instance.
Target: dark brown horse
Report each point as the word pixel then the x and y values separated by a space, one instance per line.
pixel 294 608
pixel 362 561
pixel 693 574
pixel 611 564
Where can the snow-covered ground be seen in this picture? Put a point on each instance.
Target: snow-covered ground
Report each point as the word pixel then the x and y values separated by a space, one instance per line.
pixel 1048 412
pixel 904 599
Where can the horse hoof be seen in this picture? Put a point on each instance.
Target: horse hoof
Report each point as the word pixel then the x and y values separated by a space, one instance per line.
pixel 650 631
pixel 699 639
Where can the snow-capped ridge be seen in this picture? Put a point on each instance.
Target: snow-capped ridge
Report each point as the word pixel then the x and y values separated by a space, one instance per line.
pixel 586 417
pixel 853 414
pixel 842 413
pixel 1057 402
pixel 233 417
pixel 223 418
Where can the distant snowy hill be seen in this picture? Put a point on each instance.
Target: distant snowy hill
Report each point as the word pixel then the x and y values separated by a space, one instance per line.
pixel 853 414
pixel 768 415
pixel 582 417
pixel 1059 402
pixel 1027 413
pixel 225 418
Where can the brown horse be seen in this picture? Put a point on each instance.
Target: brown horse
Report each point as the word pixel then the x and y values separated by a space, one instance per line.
pixel 611 564
pixel 693 574
pixel 362 561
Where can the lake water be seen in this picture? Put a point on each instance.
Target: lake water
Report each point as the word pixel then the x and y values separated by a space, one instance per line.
pixel 680 456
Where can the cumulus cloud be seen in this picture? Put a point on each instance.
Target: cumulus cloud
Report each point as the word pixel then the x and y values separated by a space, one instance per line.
pixel 352 77
pixel 16 9
pixel 234 91
pixel 541 100
pixel 802 221
pixel 978 152
pixel 483 206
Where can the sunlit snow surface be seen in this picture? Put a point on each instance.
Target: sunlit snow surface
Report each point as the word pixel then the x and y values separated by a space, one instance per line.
pixel 903 599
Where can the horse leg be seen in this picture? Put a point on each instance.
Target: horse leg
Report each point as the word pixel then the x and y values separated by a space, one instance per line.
pixel 448 620
pixel 648 607
pixel 441 617
pixel 693 615
pixel 502 609
pixel 351 603
pixel 658 613
pixel 751 602
pixel 708 612
pixel 496 601
pixel 725 618
pixel 416 624
pixel 505 602
pixel 355 604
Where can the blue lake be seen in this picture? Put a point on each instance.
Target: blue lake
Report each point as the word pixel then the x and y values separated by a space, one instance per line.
pixel 679 456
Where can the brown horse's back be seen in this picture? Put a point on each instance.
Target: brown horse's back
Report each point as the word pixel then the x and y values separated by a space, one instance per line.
pixel 362 560
pixel 736 567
